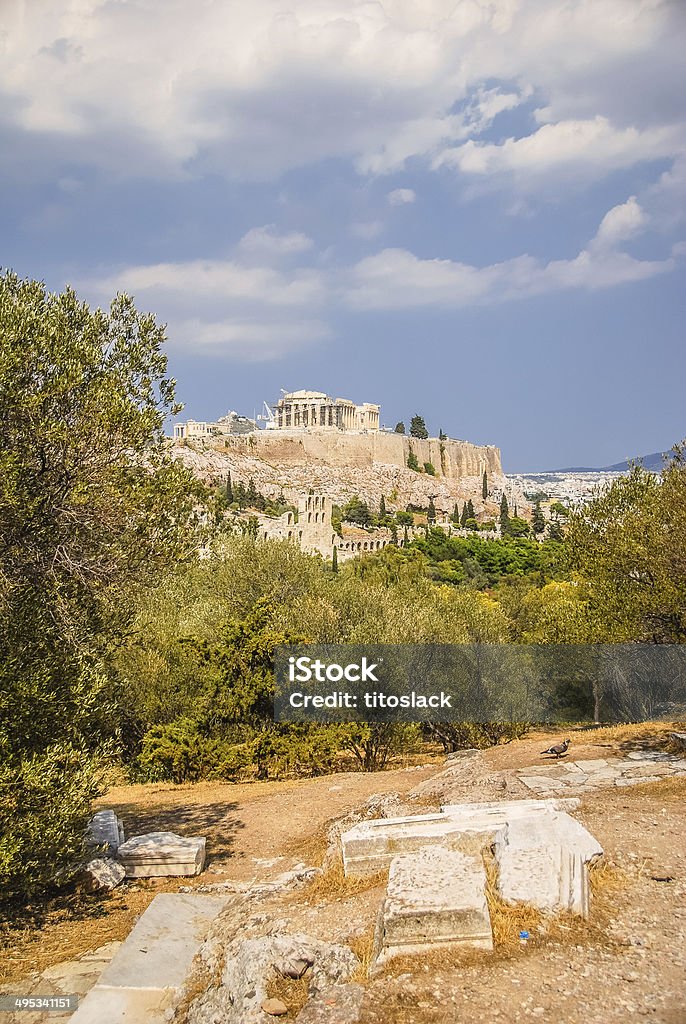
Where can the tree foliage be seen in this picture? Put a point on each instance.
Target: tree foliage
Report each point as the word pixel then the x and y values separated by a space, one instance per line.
pixel 418 428
pixel 91 508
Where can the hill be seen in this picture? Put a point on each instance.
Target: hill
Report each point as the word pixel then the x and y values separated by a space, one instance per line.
pixel 653 462
pixel 341 465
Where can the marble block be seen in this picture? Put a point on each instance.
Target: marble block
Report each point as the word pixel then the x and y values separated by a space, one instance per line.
pixel 159 854
pixel 435 897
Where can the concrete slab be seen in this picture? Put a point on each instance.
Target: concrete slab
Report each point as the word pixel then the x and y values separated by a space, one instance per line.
pixel 162 854
pixel 150 967
pixel 435 897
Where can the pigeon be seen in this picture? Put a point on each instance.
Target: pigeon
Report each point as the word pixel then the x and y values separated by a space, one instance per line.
pixel 558 750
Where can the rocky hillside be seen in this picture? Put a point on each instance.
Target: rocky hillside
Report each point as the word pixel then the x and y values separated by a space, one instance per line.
pixel 341 465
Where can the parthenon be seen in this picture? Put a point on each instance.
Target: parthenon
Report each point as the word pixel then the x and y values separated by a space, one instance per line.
pixel 314 409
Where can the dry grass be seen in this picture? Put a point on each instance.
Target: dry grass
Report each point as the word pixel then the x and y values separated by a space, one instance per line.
pixel 363 948
pixel 68 927
pixel 310 849
pixel 632 732
pixel 334 884
pixel 507 921
pixel 606 879
pixel 293 992
pixel 203 977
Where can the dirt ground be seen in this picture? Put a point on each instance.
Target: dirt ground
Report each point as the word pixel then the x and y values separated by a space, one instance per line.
pixel 627 963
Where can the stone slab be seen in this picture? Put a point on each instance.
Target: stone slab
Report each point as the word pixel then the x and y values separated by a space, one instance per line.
pixel 106 829
pixel 150 967
pixel 370 846
pixel 544 861
pixel 161 854
pixel 435 897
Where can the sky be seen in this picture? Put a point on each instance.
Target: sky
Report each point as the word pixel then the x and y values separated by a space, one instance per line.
pixel 468 209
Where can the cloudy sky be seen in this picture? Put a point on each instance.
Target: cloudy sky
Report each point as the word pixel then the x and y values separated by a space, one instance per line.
pixel 472 209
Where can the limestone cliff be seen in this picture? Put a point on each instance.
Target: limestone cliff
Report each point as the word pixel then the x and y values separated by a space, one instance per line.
pixel 341 465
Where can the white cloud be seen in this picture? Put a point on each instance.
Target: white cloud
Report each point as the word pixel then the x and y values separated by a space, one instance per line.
pixel 401 196
pixel 267 242
pixel 397 279
pixel 254 341
pixel 620 223
pixel 366 229
pixel 592 147
pixel 251 90
pixel 259 313
pixel 217 280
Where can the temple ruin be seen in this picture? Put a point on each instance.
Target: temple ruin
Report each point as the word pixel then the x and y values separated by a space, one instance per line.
pixel 299 410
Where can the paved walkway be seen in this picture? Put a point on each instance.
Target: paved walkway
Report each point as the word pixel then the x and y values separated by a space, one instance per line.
pixel 74 977
pixel 561 777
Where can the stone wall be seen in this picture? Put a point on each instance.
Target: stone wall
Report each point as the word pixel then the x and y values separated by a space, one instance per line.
pixel 451 459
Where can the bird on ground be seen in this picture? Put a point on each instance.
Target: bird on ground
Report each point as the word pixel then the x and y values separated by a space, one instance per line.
pixel 558 749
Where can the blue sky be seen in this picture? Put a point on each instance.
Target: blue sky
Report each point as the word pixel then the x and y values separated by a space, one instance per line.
pixel 471 209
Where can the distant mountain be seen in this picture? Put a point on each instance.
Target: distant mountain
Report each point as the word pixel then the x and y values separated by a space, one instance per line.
pixel 652 462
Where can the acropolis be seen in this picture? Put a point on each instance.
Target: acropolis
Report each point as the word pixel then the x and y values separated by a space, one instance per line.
pixel 314 409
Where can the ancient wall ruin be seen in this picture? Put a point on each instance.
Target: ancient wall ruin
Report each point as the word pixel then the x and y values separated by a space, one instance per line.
pixel 451 459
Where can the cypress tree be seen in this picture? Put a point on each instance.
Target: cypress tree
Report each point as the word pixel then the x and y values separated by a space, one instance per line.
pixel 229 489
pixel 456 514
pixel 382 508
pixel 465 515
pixel 538 521
pixel 504 516
pixel 334 559
pixel 484 486
pixel 418 428
pixel 431 514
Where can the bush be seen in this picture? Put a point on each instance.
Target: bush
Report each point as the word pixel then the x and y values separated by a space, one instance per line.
pixel 466 735
pixel 297 749
pixel 45 806
pixel 176 752
pixel 373 745
pixel 429 468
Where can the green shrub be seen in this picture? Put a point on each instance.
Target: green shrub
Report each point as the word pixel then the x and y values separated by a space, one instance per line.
pixel 176 752
pixel 298 749
pixel 373 745
pixel 429 468
pixel 45 805
pixel 465 735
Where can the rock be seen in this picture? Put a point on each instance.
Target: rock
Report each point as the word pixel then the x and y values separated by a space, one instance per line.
pixel 293 968
pixel 679 739
pixel 435 897
pixel 102 875
pixel 340 1004
pixel 274 1007
pixel 250 963
pixel 161 854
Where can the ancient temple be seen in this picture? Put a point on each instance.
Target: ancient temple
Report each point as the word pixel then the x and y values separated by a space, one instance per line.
pixel 316 410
